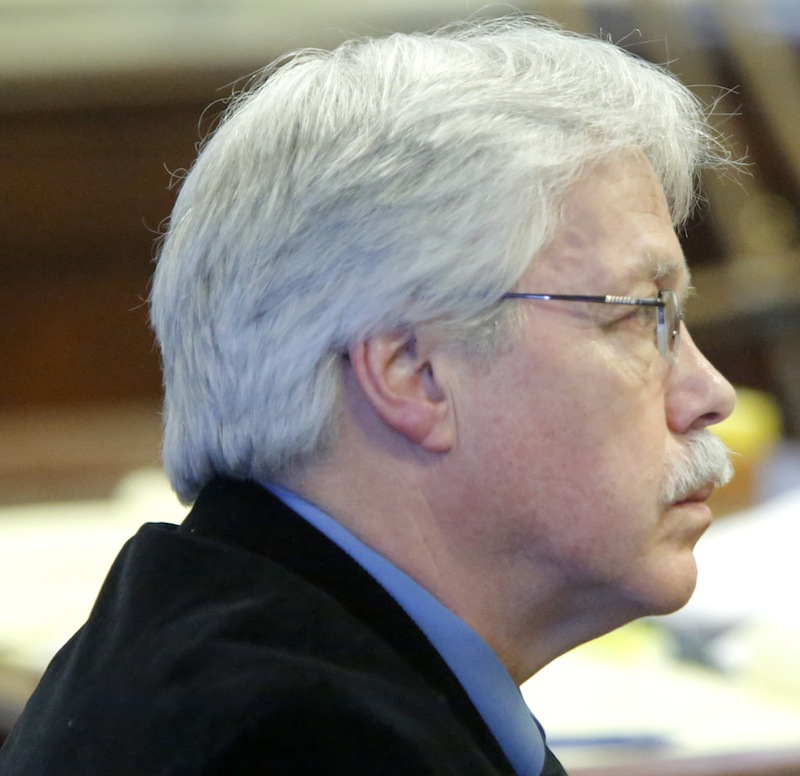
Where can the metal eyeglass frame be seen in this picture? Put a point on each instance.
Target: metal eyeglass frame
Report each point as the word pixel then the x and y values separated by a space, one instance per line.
pixel 668 318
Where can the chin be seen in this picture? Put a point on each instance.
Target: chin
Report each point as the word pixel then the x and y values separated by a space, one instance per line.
pixel 671 606
pixel 665 595
pixel 676 597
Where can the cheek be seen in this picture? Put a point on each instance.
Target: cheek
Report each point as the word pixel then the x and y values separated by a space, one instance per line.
pixel 573 429
pixel 607 435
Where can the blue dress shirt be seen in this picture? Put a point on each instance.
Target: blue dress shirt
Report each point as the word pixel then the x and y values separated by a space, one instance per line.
pixel 483 676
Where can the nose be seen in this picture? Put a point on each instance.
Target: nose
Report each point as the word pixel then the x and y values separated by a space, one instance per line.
pixel 697 394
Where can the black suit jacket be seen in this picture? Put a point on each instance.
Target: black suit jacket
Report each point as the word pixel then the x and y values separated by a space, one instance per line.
pixel 245 642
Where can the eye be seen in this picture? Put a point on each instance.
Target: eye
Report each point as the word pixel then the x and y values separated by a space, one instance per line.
pixel 638 315
pixel 644 315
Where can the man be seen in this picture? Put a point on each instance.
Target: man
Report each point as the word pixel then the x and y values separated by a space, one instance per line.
pixel 429 389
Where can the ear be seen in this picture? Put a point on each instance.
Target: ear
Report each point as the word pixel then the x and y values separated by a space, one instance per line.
pixel 395 373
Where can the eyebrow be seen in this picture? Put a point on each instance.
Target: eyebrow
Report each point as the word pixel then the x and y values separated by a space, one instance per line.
pixel 661 267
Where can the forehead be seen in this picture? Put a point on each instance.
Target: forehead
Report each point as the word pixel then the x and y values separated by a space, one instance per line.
pixel 615 231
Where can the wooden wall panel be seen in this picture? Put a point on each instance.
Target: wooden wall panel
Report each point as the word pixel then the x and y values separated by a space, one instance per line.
pixel 83 194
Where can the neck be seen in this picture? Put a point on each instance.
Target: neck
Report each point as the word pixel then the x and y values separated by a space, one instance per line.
pixel 525 609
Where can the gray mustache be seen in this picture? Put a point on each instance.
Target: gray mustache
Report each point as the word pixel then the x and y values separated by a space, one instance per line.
pixel 703 459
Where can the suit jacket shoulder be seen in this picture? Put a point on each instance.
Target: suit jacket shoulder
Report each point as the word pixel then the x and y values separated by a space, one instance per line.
pixel 244 641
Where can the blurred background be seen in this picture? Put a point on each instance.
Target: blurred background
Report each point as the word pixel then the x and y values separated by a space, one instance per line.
pixel 102 101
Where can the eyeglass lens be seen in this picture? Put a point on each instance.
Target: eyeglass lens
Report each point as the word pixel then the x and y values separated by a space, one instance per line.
pixel 669 325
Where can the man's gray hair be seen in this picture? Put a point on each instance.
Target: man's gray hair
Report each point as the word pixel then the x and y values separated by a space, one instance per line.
pixel 388 183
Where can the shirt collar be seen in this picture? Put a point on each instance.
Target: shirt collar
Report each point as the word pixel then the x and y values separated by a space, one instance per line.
pixel 484 678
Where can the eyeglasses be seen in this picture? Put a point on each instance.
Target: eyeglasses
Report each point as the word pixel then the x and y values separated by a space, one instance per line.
pixel 668 316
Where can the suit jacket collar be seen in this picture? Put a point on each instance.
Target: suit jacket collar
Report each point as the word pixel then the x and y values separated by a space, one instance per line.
pixel 248 516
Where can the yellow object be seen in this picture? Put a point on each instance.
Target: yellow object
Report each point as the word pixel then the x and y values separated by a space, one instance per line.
pixel 751 432
pixel 755 425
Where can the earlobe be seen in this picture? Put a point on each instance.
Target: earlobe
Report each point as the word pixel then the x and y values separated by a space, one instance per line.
pixel 399 380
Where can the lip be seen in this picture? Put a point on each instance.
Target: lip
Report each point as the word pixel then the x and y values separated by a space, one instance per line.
pixel 696 511
pixel 698 496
